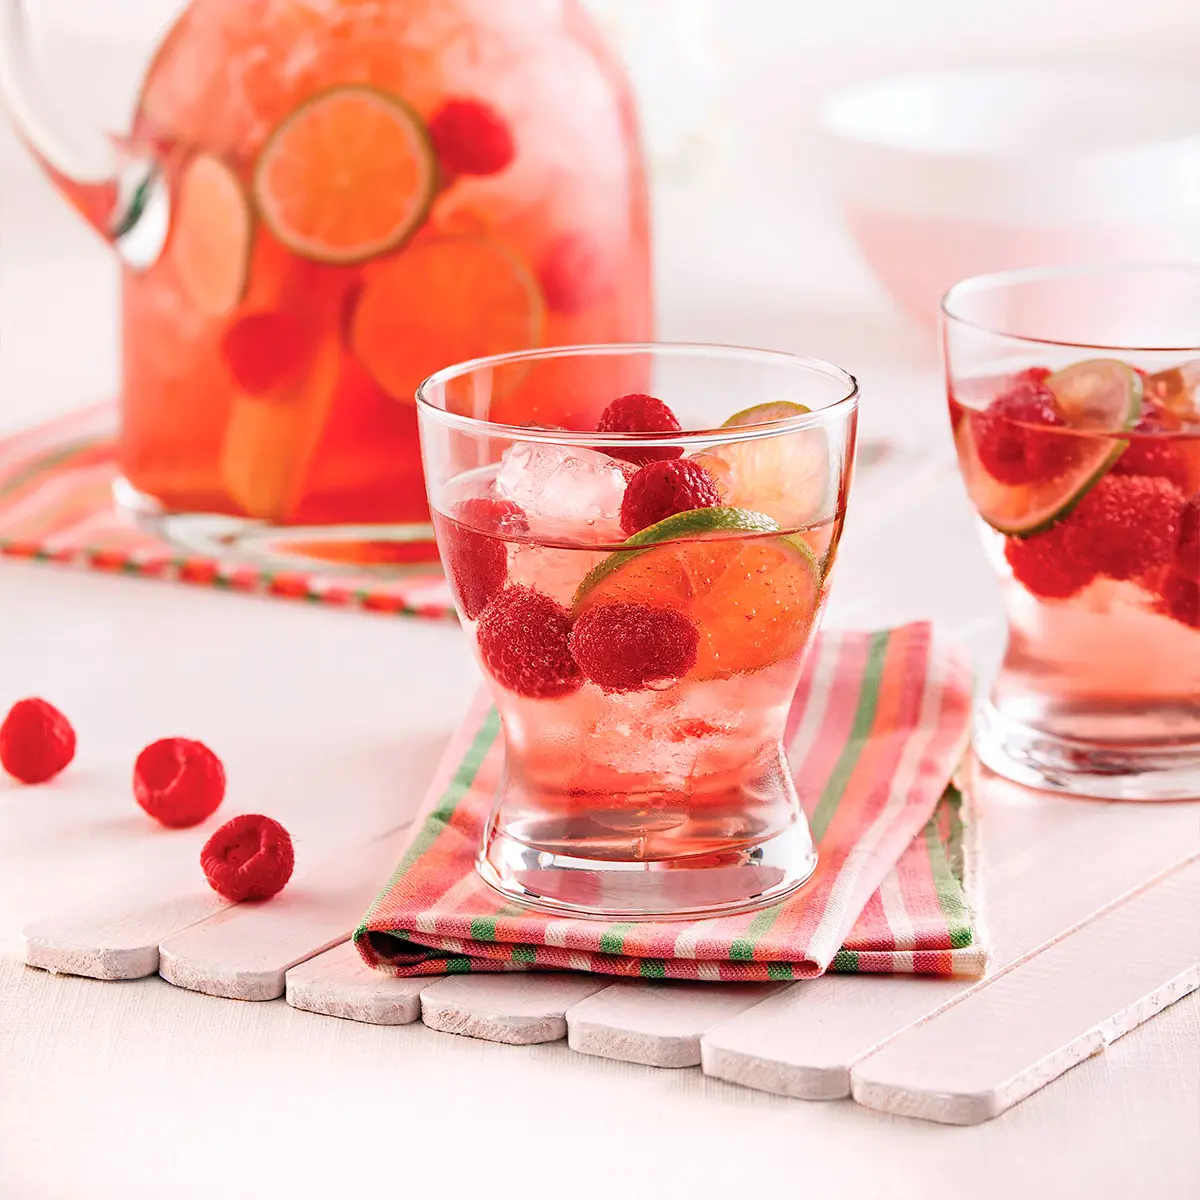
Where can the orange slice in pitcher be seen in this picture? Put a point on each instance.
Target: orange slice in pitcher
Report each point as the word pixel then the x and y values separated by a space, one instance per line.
pixel 210 243
pixel 440 302
pixel 347 176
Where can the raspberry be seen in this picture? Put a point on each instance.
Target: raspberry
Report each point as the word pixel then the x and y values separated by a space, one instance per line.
pixel 470 138
pixel 248 858
pixel 1035 375
pixel 1044 566
pixel 523 641
pixel 574 274
pixel 178 782
pixel 1187 553
pixel 626 647
pixel 477 561
pixel 1181 599
pixel 1009 449
pixel 638 413
pixel 1155 456
pixel 662 489
pixel 267 351
pixel 1126 525
pixel 36 741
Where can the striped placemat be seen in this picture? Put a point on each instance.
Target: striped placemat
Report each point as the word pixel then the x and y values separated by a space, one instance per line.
pixel 56 506
pixel 878 725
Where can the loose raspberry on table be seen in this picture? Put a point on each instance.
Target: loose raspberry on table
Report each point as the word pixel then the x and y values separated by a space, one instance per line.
pixel 471 138
pixel 638 413
pixel 1044 566
pixel 523 640
pixel 1016 439
pixel 1126 525
pixel 1181 599
pixel 626 647
pixel 662 489
pixel 1159 457
pixel 574 274
pixel 475 554
pixel 1187 552
pixel 179 782
pixel 248 858
pixel 36 741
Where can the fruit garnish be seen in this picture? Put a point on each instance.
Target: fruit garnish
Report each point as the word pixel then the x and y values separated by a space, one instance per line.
pixel 752 598
pixel 1055 479
pixel 662 489
pixel 1044 565
pixel 470 138
pixel 523 641
pixel 1187 552
pixel 476 559
pixel 267 352
pixel 787 476
pixel 1100 394
pixel 638 413
pixel 627 647
pixel 36 741
pixel 1011 443
pixel 443 301
pixel 248 858
pixel 1125 526
pixel 1154 454
pixel 179 782
pixel 211 235
pixel 347 176
pixel 574 274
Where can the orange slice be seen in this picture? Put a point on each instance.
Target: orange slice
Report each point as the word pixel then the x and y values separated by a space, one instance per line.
pixel 347 176
pixel 212 234
pixel 442 302
pixel 753 597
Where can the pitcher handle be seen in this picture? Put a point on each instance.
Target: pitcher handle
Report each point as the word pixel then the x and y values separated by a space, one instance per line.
pixel 118 193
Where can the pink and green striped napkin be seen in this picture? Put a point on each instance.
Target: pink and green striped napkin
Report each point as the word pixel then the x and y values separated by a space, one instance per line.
pixel 56 506
pixel 878 725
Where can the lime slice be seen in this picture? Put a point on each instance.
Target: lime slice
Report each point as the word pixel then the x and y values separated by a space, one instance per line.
pixel 349 175
pixel 786 476
pixel 1101 395
pixel 753 597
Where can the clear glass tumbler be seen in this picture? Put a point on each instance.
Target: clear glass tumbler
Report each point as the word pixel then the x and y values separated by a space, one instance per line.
pixel 1074 403
pixel 641 592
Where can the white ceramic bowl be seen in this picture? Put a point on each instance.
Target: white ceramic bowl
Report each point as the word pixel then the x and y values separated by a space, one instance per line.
pixel 949 174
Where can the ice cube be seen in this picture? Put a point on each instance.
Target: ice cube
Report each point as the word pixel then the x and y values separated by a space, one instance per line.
pixel 566 492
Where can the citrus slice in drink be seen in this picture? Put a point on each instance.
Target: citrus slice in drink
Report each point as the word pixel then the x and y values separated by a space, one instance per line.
pixel 787 476
pixel 1101 396
pixel 347 176
pixel 752 596
pixel 443 301
pixel 211 236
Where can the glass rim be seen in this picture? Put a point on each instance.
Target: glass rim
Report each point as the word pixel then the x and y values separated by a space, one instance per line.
pixel 592 438
pixel 976 284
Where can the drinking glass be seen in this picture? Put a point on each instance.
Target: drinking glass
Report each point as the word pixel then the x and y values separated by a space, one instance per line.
pixel 641 605
pixel 1073 399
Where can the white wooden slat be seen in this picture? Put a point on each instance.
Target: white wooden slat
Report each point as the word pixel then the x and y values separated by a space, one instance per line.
pixel 658 1024
pixel 1049 864
pixel 1052 1011
pixel 116 935
pixel 339 984
pixel 246 950
pixel 519 1009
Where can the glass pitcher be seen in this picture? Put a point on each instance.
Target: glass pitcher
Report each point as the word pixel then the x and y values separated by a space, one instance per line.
pixel 317 205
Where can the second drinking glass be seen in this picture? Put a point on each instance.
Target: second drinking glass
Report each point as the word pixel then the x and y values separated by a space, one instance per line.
pixel 641 593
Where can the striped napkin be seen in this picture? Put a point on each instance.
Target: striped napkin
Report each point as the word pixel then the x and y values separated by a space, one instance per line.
pixel 56 506
pixel 878 725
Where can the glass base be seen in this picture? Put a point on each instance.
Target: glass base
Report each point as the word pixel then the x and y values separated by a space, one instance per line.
pixel 1112 771
pixel 383 551
pixel 738 879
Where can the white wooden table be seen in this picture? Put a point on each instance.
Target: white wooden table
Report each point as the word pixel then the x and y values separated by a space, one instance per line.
pixel 132 1089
